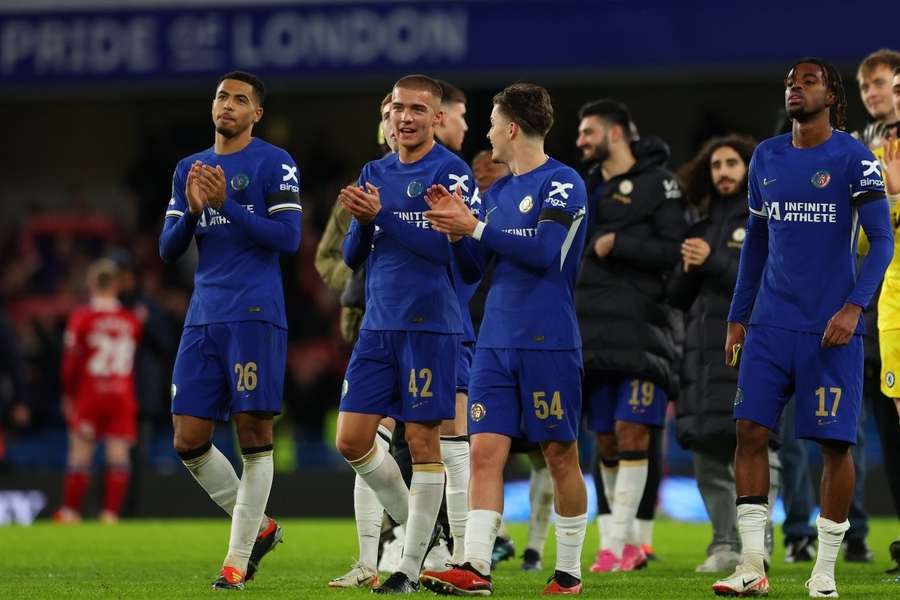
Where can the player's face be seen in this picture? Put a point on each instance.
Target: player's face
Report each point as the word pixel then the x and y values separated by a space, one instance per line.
pixel 390 136
pixel 499 135
pixel 593 140
pixel 895 94
pixel 875 91
pixel 234 108
pixel 414 115
pixel 727 170
pixel 806 92
pixel 454 127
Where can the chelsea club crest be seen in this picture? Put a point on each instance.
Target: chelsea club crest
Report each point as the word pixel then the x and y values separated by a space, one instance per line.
pixel 239 182
pixel 821 178
pixel 415 188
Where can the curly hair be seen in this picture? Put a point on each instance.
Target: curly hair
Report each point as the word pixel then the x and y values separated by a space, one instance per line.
pixel 838 111
pixel 695 175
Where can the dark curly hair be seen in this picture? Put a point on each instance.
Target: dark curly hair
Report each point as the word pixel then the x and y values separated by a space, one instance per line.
pixel 695 175
pixel 838 111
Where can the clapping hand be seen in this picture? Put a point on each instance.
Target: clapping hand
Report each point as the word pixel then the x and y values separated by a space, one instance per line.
pixel 449 214
pixel 363 204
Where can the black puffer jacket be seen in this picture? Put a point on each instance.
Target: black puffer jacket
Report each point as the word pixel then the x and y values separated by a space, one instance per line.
pixel 705 405
pixel 620 299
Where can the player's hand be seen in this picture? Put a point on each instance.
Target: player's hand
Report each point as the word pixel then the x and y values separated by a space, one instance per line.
pixel 195 195
pixel 694 252
pixel 212 181
pixel 448 213
pixel 604 244
pixel 438 198
pixel 19 415
pixel 891 165
pixel 734 342
pixel 363 204
pixel 841 326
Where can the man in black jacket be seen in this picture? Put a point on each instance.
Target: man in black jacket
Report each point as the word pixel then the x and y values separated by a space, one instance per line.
pixel 716 192
pixel 635 228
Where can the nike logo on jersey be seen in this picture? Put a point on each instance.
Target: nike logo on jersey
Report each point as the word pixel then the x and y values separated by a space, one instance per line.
pixel 290 173
pixel 767 181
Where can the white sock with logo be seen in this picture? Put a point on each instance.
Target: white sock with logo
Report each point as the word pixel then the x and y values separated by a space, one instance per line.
pixel 569 541
pixel 369 513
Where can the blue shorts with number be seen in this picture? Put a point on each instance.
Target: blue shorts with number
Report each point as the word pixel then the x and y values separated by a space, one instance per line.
pixel 615 397
pixel 226 368
pixel 777 364
pixel 464 366
pixel 531 394
pixel 408 375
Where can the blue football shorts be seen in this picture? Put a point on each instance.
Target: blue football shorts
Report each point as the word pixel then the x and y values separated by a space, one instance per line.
pixel 408 375
pixel 226 368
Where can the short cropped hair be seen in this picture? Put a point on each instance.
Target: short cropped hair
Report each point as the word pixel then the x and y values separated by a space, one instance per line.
pixel 450 94
pixel 528 106
pixel 259 88
pixel 884 56
pixel 421 83
pixel 611 111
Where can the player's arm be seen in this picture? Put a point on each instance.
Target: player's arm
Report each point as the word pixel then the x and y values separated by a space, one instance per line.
pixel 471 259
pixel 279 230
pixel 358 243
pixel 182 215
pixel 754 252
pixel 683 287
pixel 660 252
pixel 875 219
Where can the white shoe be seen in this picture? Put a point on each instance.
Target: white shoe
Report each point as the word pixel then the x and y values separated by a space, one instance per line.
pixel 439 557
pixel 391 556
pixel 745 581
pixel 721 561
pixel 359 576
pixel 821 585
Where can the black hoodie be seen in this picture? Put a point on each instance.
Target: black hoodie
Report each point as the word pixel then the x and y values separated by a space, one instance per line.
pixel 620 299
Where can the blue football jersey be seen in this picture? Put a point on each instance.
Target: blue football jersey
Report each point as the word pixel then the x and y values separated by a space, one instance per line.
pixel 407 289
pixel 809 197
pixel 238 274
pixel 527 308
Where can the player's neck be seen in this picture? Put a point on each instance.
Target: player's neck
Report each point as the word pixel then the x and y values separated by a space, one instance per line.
pixel 617 164
pixel 230 145
pixel 527 157
pixel 813 132
pixel 414 154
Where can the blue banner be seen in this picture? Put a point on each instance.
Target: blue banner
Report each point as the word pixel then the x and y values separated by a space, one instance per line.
pixel 314 40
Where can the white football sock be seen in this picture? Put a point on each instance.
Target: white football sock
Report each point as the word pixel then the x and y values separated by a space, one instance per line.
pixel 455 453
pixel 540 493
pixel 368 512
pixel 831 535
pixel 481 531
pixel 426 490
pixel 604 528
pixel 249 507
pixel 216 476
pixel 644 531
pixel 569 540
pixel 609 476
pixel 752 528
pixel 630 484
pixel 380 471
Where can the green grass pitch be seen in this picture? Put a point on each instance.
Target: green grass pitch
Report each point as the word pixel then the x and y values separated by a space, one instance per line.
pixel 180 558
